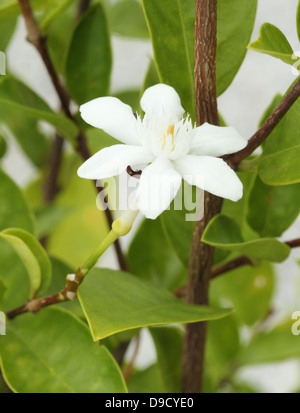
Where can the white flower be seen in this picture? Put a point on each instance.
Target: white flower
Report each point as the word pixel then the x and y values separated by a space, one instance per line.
pixel 172 146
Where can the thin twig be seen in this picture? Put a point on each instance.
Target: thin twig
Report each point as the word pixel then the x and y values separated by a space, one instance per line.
pixel 270 123
pixel 231 265
pixel 68 293
pixel 128 369
pixel 34 36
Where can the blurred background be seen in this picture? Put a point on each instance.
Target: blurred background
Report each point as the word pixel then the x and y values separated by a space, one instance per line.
pixel 259 79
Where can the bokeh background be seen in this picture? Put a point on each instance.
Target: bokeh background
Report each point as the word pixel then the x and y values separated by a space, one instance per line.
pixel 259 79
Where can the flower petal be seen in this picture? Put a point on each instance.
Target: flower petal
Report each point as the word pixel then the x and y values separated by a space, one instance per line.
pixel 211 174
pixel 114 117
pixel 216 140
pixel 113 160
pixel 158 186
pixel 162 101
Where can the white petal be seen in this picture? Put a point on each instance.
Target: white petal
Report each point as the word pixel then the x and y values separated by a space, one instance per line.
pixel 216 140
pixel 162 101
pixel 113 160
pixel 211 174
pixel 114 117
pixel 158 186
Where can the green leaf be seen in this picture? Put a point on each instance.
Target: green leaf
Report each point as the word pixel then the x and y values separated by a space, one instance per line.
pixel 23 101
pixel 278 344
pixel 49 217
pixel 146 381
pixel 89 60
pixel 7 29
pixel 14 211
pixel 224 233
pixel 152 258
pixel 38 252
pixel 273 42
pixel 13 277
pixel 235 24
pixel 127 19
pixel 219 358
pixel 279 162
pixel 115 301
pixel 27 257
pixel 248 290
pixel 57 7
pixel 24 128
pixel 2 291
pixel 58 351
pixel 171 25
pixel 169 346
pixel 272 209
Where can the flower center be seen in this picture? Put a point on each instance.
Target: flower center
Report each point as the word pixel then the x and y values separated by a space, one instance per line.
pixel 169 132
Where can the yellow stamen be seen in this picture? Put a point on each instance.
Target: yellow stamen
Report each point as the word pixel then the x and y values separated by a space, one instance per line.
pixel 170 131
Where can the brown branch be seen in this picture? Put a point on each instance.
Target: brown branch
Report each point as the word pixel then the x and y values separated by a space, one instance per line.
pixel 294 243
pixel 34 36
pixel 270 123
pixel 201 257
pixel 68 293
pixel 231 265
pixel 50 187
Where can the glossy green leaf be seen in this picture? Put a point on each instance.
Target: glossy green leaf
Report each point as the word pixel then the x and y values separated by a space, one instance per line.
pixel 49 217
pixel 224 233
pixel 2 291
pixel 131 98
pixel 235 24
pixel 3 146
pixel 219 358
pixel 272 209
pixel 38 252
pixel 13 277
pixel 151 257
pixel 58 351
pixel 248 290
pixel 89 60
pixel 127 19
pixel 276 345
pixel 171 26
pixel 146 381
pixel 7 29
pixel 14 211
pixel 168 342
pixel 23 101
pixel 273 42
pixel 57 7
pixel 114 301
pixel 279 162
pixel 27 257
